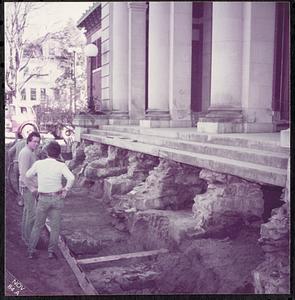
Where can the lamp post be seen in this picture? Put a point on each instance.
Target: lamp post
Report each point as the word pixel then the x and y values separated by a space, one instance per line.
pixel 91 50
pixel 74 80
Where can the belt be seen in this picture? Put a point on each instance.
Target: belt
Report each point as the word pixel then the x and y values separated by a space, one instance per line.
pixel 51 194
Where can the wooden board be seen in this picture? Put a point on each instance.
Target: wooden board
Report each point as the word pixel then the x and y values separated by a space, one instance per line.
pixel 100 259
pixel 83 281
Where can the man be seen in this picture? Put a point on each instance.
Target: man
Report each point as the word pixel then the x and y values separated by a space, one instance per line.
pixel 28 187
pixel 51 196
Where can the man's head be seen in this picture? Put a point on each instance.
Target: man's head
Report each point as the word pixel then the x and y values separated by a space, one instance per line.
pixel 53 149
pixel 33 140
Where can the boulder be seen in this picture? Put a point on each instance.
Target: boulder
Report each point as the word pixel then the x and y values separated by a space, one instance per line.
pixel 227 197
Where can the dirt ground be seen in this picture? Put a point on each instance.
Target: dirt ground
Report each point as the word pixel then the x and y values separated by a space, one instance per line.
pixel 24 276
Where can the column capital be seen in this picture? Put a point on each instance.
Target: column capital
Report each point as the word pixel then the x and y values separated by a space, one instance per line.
pixel 137 5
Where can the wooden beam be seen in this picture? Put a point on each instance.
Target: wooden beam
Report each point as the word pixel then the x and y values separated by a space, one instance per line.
pixel 100 259
pixel 83 281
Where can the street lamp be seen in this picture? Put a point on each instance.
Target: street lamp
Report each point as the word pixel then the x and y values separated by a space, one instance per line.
pixel 91 50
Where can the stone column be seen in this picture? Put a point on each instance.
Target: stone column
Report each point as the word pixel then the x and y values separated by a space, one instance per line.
pixel 180 64
pixel 106 61
pixel 258 61
pixel 120 63
pixel 158 66
pixel 136 61
pixel 226 73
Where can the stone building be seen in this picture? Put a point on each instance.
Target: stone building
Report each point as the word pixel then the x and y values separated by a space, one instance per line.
pixel 220 66
pixel 186 104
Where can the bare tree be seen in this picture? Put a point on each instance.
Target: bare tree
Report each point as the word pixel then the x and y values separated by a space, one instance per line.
pixel 17 59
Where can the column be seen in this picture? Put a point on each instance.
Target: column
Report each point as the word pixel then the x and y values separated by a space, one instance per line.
pixel 136 61
pixel 106 50
pixel 226 72
pixel 158 65
pixel 258 64
pixel 119 63
pixel 180 64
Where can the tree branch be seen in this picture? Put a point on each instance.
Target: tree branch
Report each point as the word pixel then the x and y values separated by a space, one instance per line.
pixel 30 77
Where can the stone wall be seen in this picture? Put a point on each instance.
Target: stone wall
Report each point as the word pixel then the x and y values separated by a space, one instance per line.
pixel 228 204
pixel 273 275
pixel 171 185
pixel 147 196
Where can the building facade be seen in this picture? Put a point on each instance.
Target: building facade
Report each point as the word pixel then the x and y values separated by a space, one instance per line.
pixel 220 66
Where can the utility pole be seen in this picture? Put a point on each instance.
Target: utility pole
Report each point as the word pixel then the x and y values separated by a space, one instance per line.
pixel 74 81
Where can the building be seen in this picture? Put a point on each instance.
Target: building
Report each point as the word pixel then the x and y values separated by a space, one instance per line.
pixel 170 81
pixel 223 66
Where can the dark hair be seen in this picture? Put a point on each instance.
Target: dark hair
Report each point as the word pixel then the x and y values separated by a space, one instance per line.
pixel 53 149
pixel 31 135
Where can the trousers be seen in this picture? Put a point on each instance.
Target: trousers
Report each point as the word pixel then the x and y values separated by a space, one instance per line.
pixel 51 207
pixel 29 213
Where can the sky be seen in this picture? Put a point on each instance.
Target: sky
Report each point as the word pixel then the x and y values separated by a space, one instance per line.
pixel 53 16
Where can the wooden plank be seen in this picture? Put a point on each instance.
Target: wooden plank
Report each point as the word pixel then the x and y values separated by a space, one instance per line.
pixel 100 259
pixel 83 281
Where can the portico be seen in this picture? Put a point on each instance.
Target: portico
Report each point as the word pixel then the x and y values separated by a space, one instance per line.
pixel 157 67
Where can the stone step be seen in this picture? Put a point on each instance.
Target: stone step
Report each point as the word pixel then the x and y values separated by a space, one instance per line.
pixel 250 171
pixel 252 141
pixel 271 159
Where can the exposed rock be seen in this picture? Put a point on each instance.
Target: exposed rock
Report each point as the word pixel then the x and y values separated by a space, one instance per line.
pixel 170 185
pixel 227 202
pixel 120 280
pixel 97 189
pixel 115 171
pixel 96 168
pixel 93 152
pixel 78 155
pixel 139 166
pixel 273 275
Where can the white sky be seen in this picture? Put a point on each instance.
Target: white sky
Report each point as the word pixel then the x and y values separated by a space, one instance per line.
pixel 53 16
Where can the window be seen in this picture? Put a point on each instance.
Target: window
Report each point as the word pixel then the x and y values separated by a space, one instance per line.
pixel 42 94
pixel 23 110
pixel 96 61
pixel 33 94
pixel 23 94
pixel 51 51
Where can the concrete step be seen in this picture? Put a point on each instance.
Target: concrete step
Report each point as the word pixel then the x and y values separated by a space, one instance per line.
pixel 271 159
pixel 250 171
pixel 263 141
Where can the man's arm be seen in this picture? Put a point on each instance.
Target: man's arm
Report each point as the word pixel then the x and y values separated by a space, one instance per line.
pixel 69 177
pixel 32 171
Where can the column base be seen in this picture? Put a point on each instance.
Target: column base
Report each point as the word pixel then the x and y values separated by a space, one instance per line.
pixel 154 123
pixel 119 118
pixel 156 118
pixel 90 120
pixel 180 123
pixel 221 121
pixel 258 127
pixel 285 138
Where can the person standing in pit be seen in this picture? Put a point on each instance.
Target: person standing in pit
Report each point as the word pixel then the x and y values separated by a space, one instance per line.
pixel 51 196
pixel 28 187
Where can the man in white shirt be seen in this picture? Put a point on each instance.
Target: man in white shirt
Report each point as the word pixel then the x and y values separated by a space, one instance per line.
pixel 51 194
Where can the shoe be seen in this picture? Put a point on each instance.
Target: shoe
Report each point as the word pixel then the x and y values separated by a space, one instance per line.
pixel 20 203
pixel 32 255
pixel 52 255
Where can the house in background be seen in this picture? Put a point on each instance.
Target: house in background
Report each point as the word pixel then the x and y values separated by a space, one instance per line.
pixel 59 69
pixel 220 66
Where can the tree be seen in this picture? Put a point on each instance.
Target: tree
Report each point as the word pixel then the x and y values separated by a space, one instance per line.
pixel 18 50
pixel 73 63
